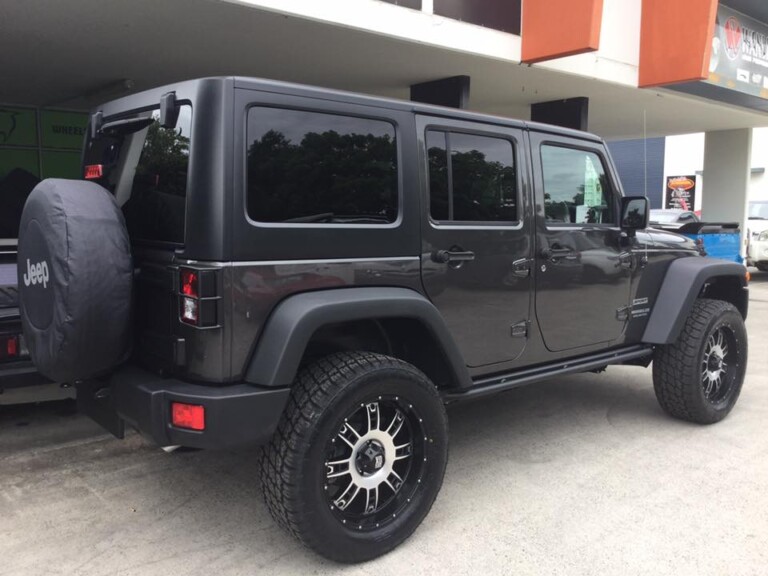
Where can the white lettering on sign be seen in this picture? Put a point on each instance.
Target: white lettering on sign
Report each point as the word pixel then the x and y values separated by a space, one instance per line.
pixel 36 274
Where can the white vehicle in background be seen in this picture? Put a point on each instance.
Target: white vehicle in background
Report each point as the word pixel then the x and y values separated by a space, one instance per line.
pixel 757 235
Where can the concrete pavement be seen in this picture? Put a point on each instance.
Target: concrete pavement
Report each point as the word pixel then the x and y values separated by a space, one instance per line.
pixel 582 475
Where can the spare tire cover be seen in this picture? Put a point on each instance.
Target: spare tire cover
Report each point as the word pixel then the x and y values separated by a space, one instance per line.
pixel 74 279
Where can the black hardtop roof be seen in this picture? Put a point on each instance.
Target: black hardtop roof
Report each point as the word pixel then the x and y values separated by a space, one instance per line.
pixel 140 99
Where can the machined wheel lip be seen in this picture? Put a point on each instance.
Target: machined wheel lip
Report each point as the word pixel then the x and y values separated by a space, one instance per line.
pixel 369 501
pixel 719 364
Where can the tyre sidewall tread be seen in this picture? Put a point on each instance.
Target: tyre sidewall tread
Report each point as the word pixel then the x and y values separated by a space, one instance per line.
pixel 677 366
pixel 324 394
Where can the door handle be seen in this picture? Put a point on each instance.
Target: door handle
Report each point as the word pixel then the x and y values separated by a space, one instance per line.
pixel 627 260
pixel 446 256
pixel 555 253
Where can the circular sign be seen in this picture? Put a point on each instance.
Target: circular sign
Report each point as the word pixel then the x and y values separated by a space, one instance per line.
pixel 733 38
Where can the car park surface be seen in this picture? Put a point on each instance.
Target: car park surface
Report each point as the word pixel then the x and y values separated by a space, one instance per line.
pixel 578 475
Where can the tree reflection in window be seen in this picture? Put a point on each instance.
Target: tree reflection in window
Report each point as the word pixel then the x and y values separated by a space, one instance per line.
pixel 320 168
pixel 479 182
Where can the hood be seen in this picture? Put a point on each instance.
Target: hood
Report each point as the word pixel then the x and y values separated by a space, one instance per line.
pixel 755 226
pixel 665 239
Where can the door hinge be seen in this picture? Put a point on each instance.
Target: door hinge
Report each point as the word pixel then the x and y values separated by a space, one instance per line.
pixel 520 330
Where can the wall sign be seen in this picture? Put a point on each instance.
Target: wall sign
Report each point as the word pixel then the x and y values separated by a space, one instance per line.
pixel 739 59
pixel 680 193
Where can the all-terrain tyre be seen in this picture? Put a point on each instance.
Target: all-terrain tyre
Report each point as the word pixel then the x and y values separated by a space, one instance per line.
pixel 762 266
pixel 358 457
pixel 699 377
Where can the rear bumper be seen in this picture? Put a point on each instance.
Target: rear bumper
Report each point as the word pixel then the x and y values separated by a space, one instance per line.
pixel 19 374
pixel 235 415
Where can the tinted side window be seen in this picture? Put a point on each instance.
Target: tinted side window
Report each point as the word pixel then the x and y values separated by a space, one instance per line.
pixel 320 168
pixel 471 178
pixel 576 187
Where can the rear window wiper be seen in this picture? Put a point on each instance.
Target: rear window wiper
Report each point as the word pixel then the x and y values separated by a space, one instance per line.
pixel 125 127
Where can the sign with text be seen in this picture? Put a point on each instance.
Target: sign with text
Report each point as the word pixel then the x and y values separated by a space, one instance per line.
pixel 739 59
pixel 64 130
pixel 680 193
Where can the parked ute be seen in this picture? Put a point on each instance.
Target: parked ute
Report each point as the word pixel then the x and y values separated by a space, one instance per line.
pixel 252 262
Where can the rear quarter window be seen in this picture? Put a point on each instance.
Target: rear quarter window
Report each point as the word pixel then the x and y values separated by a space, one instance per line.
pixel 316 168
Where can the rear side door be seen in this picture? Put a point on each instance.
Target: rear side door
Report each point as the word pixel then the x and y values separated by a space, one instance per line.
pixel 476 238
pixel 583 266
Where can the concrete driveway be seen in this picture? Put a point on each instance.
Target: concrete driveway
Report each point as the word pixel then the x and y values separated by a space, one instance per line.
pixel 583 475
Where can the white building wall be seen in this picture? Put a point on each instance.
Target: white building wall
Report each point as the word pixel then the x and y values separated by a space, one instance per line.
pixel 618 58
pixel 684 155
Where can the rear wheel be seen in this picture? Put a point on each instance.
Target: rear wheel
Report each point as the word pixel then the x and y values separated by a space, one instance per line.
pixel 762 266
pixel 359 456
pixel 699 377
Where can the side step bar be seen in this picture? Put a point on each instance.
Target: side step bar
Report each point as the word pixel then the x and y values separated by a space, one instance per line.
pixel 501 382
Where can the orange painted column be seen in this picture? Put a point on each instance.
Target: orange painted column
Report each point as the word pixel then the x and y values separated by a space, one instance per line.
pixel 675 41
pixel 557 28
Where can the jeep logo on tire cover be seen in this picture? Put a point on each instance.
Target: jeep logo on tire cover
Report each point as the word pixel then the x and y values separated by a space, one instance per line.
pixel 37 274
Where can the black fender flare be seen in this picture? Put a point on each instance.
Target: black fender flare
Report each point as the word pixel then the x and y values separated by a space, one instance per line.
pixel 682 284
pixel 289 328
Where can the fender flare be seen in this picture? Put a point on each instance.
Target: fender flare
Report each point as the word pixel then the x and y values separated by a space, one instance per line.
pixel 285 336
pixel 682 284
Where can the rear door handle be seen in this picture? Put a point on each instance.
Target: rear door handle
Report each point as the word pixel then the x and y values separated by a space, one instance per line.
pixel 445 256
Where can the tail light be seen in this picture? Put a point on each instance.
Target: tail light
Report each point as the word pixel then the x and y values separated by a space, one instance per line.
pixel 94 171
pixel 197 297
pixel 12 347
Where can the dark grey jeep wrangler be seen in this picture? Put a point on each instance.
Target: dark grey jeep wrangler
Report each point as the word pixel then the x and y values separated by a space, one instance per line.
pixel 252 262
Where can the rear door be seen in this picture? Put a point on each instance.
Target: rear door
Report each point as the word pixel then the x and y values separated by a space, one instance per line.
pixel 583 267
pixel 147 171
pixel 476 239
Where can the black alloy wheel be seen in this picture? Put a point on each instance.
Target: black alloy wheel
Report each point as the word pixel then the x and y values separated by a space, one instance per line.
pixel 699 376
pixel 358 457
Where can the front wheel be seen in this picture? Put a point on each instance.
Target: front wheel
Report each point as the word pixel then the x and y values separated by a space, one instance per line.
pixel 699 377
pixel 359 456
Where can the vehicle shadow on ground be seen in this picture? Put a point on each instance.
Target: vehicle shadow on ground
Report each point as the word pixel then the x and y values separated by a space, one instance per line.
pixel 127 497
pixel 539 425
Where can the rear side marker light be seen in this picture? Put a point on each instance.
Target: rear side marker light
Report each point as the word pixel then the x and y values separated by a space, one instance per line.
pixel 94 171
pixel 190 416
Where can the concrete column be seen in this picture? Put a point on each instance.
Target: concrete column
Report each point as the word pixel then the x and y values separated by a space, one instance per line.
pixel 727 158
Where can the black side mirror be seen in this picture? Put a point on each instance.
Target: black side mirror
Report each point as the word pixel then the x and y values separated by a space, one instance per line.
pixel 635 211
pixel 169 110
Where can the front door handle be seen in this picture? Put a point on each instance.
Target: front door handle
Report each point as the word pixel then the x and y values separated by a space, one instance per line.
pixel 555 253
pixel 452 255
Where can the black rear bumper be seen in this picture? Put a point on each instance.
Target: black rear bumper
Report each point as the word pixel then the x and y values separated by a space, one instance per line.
pixel 235 415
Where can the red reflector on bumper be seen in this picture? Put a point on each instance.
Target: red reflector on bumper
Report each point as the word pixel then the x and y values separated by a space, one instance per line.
pixel 189 416
pixel 94 171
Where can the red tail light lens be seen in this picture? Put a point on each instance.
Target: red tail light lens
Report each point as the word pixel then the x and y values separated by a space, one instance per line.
pixel 94 171
pixel 189 416
pixel 12 347
pixel 189 282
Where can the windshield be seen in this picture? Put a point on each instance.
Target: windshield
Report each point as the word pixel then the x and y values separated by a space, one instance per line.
pixel 758 210
pixel 147 172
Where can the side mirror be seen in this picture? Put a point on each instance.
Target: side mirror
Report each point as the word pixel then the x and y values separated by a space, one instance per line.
pixel 635 211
